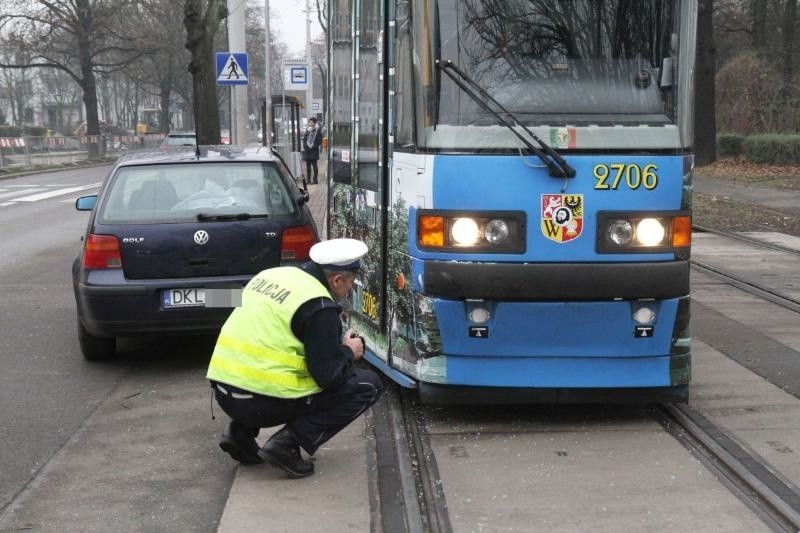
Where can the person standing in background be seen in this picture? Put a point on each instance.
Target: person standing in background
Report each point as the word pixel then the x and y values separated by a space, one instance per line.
pixel 312 139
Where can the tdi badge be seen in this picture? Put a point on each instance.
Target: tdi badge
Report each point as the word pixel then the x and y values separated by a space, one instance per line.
pixel 479 332
pixel 643 331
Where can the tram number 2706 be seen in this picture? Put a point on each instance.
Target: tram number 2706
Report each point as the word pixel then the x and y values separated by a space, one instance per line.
pixel 610 177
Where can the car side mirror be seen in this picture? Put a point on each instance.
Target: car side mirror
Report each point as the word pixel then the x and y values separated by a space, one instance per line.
pixel 86 203
pixel 302 197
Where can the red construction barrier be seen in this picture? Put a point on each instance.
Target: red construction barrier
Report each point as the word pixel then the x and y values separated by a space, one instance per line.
pixel 12 142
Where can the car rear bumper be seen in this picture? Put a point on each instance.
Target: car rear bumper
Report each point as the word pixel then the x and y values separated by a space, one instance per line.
pixel 138 309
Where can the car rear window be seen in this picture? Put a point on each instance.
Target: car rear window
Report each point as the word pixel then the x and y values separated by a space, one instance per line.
pixel 181 192
pixel 179 140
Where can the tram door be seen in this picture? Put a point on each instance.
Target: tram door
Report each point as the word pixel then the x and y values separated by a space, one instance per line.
pixel 358 186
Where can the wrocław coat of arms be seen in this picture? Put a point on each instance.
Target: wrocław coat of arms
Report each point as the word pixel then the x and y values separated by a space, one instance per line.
pixel 562 216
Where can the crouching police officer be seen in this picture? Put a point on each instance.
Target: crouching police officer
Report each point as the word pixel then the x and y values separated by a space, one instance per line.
pixel 281 359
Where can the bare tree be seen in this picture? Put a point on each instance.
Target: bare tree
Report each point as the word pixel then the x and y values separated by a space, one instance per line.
pixel 78 37
pixel 705 125
pixel 16 83
pixel 787 59
pixel 62 94
pixel 202 19
pixel 759 17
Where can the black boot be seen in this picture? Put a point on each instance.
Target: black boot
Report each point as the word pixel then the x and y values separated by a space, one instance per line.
pixel 283 451
pixel 240 443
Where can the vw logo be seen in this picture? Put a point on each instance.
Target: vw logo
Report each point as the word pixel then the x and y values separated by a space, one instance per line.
pixel 201 237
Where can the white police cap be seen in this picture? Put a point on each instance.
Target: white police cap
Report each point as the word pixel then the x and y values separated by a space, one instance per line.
pixel 338 254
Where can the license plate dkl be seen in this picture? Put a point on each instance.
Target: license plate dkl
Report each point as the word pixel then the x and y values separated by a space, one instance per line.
pixel 184 297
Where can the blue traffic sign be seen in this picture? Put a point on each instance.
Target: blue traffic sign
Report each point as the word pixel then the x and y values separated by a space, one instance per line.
pixel 232 68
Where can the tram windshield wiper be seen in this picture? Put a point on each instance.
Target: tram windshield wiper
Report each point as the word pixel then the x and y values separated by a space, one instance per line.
pixel 231 216
pixel 556 165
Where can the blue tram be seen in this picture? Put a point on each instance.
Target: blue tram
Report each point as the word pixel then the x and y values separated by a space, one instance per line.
pixel 521 171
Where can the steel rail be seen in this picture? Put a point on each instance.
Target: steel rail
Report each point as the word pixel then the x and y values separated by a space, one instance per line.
pixel 745 238
pixel 748 477
pixel 409 490
pixel 431 493
pixel 771 295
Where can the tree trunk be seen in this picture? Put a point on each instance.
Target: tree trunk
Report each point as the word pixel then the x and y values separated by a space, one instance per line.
pixel 89 87
pixel 705 122
pixel 759 12
pixel 88 82
pixel 165 93
pixel 200 30
pixel 787 69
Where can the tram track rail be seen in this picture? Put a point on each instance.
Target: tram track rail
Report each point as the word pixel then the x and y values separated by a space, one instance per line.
pixel 410 497
pixel 749 286
pixel 409 494
pixel 747 476
pixel 747 239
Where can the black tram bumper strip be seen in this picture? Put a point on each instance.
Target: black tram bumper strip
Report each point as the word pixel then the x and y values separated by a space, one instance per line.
pixel 747 475
pixel 768 294
pixel 431 393
pixel 556 281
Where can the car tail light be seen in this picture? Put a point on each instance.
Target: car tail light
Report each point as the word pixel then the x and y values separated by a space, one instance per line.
pixel 296 242
pixel 101 251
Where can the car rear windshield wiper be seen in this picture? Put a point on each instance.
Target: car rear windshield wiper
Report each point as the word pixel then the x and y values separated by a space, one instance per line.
pixel 555 164
pixel 231 216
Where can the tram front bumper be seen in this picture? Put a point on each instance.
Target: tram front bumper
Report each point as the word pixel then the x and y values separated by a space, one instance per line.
pixel 556 281
pixel 436 394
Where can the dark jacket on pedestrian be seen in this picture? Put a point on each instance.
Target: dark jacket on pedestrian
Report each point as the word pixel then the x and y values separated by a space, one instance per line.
pixel 312 139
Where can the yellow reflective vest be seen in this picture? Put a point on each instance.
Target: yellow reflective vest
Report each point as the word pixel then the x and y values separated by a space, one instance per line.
pixel 256 349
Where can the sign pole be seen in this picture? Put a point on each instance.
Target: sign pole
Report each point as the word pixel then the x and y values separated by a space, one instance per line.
pixel 239 130
pixel 267 127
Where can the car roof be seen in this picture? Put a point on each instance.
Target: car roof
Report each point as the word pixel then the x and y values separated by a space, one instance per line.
pixel 187 154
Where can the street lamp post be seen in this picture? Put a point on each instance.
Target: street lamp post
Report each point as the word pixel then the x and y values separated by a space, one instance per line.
pixel 309 92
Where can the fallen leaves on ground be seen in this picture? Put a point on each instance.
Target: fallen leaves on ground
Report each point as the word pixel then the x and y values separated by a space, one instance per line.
pixel 740 170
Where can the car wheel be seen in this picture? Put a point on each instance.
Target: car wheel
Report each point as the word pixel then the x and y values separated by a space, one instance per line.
pixel 95 348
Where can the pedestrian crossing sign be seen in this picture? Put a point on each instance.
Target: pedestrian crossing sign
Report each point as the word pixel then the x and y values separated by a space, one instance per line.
pixel 231 68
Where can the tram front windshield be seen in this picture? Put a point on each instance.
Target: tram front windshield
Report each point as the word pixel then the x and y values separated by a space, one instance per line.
pixel 551 63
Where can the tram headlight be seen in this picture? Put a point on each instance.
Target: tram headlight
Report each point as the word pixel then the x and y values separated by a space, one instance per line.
pixel 465 232
pixel 620 232
pixel 650 232
pixel 654 232
pixel 490 232
pixel 496 231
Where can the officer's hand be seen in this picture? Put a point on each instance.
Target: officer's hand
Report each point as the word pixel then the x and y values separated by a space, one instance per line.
pixel 355 342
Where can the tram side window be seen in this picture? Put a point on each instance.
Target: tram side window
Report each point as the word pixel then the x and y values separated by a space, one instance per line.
pixel 404 82
pixel 369 105
pixel 341 65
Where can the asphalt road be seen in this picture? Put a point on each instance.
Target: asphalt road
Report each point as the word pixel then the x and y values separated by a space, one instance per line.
pixel 124 445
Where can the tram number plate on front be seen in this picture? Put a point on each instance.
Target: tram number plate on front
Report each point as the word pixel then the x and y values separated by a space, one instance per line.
pixel 184 297
pixel 625 176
